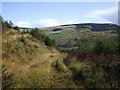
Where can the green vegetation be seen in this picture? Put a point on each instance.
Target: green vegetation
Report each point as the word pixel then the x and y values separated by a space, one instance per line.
pixel 85 29
pixel 82 38
pixel 49 42
pixel 38 35
pixel 42 37
pixel 106 46
pixel 69 34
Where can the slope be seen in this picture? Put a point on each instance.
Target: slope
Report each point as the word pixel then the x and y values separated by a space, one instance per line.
pixel 29 60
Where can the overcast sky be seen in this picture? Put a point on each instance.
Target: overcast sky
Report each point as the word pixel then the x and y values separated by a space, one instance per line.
pixel 39 14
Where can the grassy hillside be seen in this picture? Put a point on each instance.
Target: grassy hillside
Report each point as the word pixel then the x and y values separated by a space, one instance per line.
pixel 29 60
pixel 69 34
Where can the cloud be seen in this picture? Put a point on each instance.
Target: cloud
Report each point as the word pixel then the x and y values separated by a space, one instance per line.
pixel 47 22
pixel 108 14
pixel 53 22
pixel 23 24
pixel 72 22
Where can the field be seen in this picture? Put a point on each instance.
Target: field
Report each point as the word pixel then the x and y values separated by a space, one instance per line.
pixel 69 34
pixel 68 39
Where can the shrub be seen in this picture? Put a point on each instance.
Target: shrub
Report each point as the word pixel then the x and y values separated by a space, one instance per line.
pixel 105 46
pixel 42 37
pixel 23 40
pixel 49 42
pixel 99 46
pixel 38 35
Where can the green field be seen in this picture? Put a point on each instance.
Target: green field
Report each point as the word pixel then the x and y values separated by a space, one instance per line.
pixel 69 34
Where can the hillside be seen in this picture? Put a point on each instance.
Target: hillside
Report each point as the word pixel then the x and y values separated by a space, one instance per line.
pixel 95 26
pixel 92 26
pixel 68 36
pixel 28 59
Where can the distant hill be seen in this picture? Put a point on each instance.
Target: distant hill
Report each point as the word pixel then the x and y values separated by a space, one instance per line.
pixel 95 26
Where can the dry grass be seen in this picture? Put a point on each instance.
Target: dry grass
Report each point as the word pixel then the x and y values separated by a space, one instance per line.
pixel 22 64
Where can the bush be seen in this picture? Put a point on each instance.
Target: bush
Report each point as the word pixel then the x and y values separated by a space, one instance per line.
pixel 38 35
pixel 49 42
pixel 23 40
pixel 99 46
pixel 105 46
pixel 42 37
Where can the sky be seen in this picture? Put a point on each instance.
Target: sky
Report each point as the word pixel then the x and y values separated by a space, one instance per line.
pixel 45 14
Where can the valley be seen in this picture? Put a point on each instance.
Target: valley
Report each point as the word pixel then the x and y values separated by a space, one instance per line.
pixel 72 62
pixel 59 45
